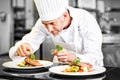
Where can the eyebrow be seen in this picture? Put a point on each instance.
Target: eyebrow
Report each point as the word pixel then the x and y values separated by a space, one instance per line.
pixel 49 22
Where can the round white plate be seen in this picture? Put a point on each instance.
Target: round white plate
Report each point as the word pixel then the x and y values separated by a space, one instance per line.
pixel 59 69
pixel 13 64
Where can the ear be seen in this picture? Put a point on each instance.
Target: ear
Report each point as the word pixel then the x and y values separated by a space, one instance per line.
pixel 65 14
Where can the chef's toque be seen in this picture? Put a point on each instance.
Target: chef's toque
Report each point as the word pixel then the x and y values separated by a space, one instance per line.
pixel 50 9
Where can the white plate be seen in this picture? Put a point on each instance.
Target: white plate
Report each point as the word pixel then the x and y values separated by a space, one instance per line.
pixel 13 64
pixel 59 69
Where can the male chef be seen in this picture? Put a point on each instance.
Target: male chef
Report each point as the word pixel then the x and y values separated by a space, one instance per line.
pixel 76 30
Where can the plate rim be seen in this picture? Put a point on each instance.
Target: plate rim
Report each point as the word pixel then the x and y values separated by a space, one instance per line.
pixel 77 73
pixel 20 68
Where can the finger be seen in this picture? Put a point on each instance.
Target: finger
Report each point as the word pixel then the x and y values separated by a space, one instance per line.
pixel 63 60
pixel 55 52
pixel 16 54
pixel 21 53
pixel 29 49
pixel 62 57
pixel 25 50
pixel 61 54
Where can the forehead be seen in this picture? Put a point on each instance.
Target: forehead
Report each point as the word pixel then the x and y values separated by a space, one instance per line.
pixel 49 21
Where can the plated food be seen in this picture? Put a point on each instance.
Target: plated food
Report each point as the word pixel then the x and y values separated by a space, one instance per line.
pixel 29 61
pixel 77 66
pixel 59 70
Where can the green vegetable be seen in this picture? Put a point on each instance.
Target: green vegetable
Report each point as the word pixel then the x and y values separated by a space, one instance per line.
pixel 74 62
pixel 59 47
pixel 76 68
pixel 32 56
pixel 21 65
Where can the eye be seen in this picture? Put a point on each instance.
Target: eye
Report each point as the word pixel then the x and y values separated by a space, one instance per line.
pixel 52 23
pixel 45 24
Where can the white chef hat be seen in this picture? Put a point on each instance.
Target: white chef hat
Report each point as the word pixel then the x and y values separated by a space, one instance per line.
pixel 50 9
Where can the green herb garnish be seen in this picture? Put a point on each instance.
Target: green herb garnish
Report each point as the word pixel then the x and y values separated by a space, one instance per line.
pixel 21 65
pixel 32 56
pixel 58 47
pixel 74 62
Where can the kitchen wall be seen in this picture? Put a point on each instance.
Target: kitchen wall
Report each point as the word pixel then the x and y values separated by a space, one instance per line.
pixel 6 25
pixel 29 14
pixel 13 18
pixel 111 17
pixel 111 32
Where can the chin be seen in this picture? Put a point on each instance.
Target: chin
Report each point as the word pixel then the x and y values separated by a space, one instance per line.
pixel 55 34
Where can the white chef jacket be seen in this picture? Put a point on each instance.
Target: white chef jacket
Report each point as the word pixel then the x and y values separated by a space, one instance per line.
pixel 89 40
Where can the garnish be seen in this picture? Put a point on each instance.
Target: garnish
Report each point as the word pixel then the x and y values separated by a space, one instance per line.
pixel 21 65
pixel 75 61
pixel 30 61
pixel 59 47
pixel 32 56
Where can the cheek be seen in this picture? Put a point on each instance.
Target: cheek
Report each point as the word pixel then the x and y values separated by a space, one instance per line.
pixel 60 25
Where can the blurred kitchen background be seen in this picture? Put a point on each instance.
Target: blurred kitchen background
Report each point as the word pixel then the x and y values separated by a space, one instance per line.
pixel 17 17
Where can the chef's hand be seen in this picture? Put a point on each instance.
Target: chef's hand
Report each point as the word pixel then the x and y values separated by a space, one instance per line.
pixel 65 56
pixel 24 50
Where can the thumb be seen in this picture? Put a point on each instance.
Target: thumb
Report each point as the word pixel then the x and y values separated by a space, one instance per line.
pixel 29 48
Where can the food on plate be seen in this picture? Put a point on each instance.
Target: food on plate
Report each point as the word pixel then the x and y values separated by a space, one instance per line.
pixel 77 66
pixel 30 61
pixel 57 48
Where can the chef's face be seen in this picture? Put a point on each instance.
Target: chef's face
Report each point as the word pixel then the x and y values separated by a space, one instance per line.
pixel 54 26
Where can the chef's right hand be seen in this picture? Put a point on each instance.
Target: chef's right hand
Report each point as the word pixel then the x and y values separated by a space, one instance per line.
pixel 24 50
pixel 64 55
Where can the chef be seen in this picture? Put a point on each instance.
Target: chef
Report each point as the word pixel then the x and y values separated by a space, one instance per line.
pixel 76 30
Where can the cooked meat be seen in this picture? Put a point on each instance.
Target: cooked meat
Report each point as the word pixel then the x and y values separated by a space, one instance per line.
pixel 85 64
pixel 32 62
pixel 86 67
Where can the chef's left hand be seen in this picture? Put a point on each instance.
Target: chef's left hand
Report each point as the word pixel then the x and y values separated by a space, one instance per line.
pixel 65 56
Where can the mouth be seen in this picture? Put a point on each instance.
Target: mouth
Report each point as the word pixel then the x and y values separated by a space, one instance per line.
pixel 56 32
